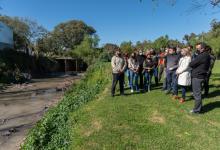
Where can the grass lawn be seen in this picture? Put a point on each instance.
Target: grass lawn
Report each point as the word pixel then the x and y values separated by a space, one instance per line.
pixel 148 121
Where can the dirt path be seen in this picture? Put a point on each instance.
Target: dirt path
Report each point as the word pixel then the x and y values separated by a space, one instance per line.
pixel 21 106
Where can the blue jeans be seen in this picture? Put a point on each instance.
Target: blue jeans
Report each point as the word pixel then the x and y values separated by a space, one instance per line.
pixel 147 80
pixel 133 78
pixel 172 81
pixel 127 74
pixel 156 75
pixel 184 92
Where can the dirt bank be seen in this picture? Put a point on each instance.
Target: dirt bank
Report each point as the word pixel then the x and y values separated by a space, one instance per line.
pixel 21 106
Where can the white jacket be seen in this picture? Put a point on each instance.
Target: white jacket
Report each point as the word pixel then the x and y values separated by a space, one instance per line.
pixel 184 71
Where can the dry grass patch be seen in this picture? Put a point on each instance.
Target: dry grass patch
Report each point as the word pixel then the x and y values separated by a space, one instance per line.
pixel 157 118
pixel 95 126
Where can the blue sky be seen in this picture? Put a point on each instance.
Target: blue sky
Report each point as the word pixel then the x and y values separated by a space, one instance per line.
pixel 117 20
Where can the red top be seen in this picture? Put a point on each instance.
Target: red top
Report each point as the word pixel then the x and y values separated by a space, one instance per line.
pixel 162 59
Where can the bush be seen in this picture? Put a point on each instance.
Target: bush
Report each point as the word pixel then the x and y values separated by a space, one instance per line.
pixel 105 56
pixel 52 131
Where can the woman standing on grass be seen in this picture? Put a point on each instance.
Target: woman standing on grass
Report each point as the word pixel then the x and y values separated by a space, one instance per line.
pixel 184 73
pixel 148 72
pixel 133 66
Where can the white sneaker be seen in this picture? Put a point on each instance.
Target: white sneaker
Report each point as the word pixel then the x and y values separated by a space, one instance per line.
pixel 132 91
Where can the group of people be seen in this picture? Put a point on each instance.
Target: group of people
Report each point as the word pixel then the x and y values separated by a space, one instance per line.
pixel 182 69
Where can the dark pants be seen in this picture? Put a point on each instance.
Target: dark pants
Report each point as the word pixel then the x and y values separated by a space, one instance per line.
pixel 197 93
pixel 141 85
pixel 172 81
pixel 118 77
pixel 206 84
pixel 184 88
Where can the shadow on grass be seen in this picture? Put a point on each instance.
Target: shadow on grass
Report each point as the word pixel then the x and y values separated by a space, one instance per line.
pixel 211 106
pixel 214 94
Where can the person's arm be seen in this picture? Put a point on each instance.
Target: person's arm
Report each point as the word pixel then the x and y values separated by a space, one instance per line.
pixel 125 64
pixel 184 67
pixel 113 62
pixel 197 61
pixel 165 61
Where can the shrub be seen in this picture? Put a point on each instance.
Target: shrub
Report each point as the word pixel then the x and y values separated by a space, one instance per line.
pixel 52 131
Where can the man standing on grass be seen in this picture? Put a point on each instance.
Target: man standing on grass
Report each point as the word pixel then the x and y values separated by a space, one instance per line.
pixel 118 67
pixel 171 63
pixel 140 59
pixel 212 63
pixel 200 66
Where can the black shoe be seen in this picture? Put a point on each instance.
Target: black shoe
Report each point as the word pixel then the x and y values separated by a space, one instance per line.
pixel 122 94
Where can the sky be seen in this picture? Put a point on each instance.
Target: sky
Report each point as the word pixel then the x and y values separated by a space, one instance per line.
pixel 118 20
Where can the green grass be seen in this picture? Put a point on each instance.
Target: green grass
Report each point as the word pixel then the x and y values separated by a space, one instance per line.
pixel 52 131
pixel 147 121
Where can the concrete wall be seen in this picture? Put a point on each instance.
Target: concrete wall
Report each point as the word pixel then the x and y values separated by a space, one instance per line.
pixel 6 36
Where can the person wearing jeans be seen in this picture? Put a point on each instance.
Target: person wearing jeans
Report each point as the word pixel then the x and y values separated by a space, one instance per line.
pixel 200 65
pixel 118 67
pixel 184 73
pixel 171 82
pixel 148 72
pixel 140 59
pixel 171 63
pixel 133 66
pixel 154 57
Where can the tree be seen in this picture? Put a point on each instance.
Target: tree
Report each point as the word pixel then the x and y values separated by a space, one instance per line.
pixel 127 47
pixel 71 33
pixel 36 31
pixel 110 48
pixel 161 42
pixel 26 32
pixel 87 50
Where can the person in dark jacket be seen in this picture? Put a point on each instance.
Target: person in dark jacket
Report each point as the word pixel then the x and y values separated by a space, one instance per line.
pixel 155 59
pixel 171 63
pixel 148 71
pixel 200 66
pixel 212 62
pixel 140 59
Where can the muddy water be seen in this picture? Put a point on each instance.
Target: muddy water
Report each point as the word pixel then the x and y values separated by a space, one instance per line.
pixel 21 106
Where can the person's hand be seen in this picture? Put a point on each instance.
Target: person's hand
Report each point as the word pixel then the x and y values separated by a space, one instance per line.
pixel 171 69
